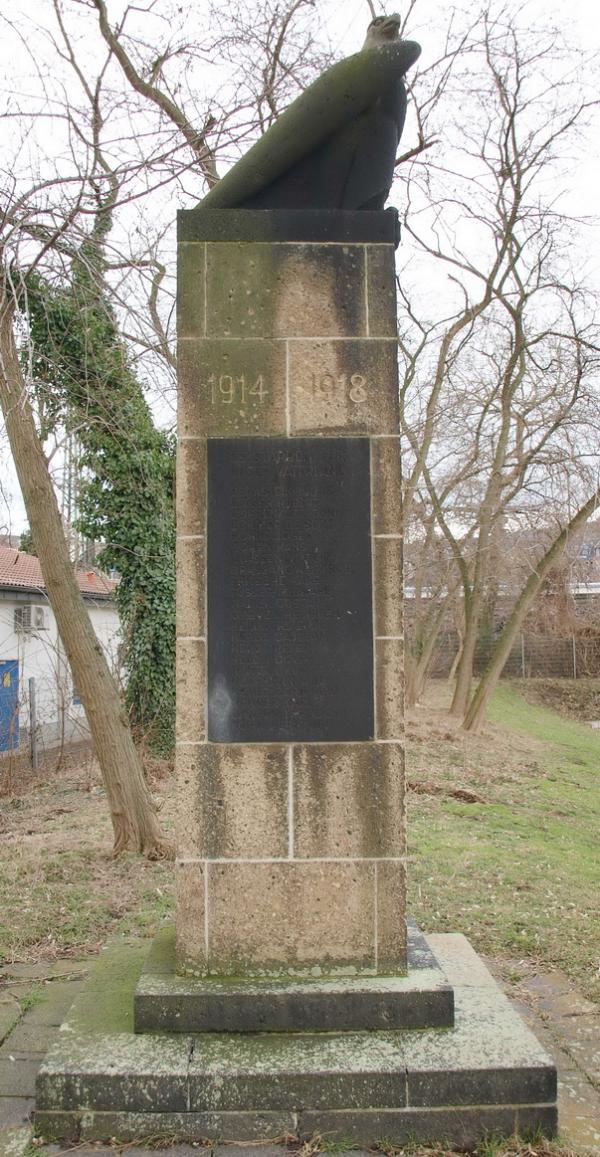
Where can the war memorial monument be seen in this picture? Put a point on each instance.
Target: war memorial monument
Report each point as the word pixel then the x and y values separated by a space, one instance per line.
pixel 293 998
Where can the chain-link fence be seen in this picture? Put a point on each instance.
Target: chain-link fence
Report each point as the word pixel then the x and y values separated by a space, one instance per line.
pixel 532 656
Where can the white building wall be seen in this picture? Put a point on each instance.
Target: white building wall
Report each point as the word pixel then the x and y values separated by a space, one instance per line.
pixel 40 655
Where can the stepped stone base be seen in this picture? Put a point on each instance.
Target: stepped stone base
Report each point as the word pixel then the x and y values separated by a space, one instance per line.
pixel 166 1002
pixel 487 1074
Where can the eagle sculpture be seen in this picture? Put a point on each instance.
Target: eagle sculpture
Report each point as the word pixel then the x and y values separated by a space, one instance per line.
pixel 335 147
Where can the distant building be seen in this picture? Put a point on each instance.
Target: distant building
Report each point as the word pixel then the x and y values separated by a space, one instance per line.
pixel 30 648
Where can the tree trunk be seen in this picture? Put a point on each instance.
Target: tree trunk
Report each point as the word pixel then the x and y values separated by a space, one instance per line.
pixel 464 671
pixel 475 714
pixel 131 807
pixel 418 665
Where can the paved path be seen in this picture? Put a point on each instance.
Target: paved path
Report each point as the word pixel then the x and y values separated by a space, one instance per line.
pixel 569 1028
pixel 35 998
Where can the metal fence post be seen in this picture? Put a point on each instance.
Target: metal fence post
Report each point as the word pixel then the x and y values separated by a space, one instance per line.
pixel 33 725
pixel 574 657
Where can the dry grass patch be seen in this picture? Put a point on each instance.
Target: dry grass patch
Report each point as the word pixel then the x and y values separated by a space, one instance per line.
pixel 503 830
pixel 61 891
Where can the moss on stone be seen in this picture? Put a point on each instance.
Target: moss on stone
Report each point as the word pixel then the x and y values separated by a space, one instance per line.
pixel 106 1003
pixel 102 1080
pixel 335 97
pixel 161 957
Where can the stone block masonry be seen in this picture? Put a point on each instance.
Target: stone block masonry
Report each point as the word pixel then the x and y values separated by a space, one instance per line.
pixel 290 758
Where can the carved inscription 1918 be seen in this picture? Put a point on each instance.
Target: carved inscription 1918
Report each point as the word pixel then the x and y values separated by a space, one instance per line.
pixel 290 652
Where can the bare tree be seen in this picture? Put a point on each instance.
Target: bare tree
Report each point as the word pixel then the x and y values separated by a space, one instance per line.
pixel 497 360
pixel 65 213
pixel 44 223
pixel 431 585
pixel 131 806
pixel 498 392
pixel 475 713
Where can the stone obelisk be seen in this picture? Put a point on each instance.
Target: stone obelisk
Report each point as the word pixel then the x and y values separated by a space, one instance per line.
pixel 289 612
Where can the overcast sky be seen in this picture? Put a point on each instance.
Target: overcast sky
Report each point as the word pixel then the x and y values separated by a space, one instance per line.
pixel 344 25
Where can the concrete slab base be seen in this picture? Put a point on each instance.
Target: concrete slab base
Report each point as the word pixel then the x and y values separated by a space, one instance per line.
pixel 486 1075
pixel 164 1001
pixel 14 1142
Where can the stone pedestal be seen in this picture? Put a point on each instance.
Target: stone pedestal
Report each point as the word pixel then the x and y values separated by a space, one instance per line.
pixel 290 757
pixel 487 1075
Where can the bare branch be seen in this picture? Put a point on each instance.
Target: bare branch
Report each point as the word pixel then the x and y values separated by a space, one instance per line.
pixel 195 138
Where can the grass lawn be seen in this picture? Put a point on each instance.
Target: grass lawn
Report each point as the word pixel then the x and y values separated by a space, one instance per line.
pixel 504 829
pixel 504 833
pixel 61 892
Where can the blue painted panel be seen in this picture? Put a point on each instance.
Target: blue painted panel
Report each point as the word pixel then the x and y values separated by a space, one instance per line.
pixel 9 704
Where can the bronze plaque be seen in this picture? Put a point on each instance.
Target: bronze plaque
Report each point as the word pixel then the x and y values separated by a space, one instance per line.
pixel 290 624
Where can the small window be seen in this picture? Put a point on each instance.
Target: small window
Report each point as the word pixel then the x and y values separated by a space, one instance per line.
pixel 23 618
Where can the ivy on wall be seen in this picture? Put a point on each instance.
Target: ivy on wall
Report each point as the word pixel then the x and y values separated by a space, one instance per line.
pixel 82 381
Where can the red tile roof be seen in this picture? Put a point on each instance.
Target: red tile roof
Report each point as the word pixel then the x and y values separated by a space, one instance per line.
pixel 23 572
